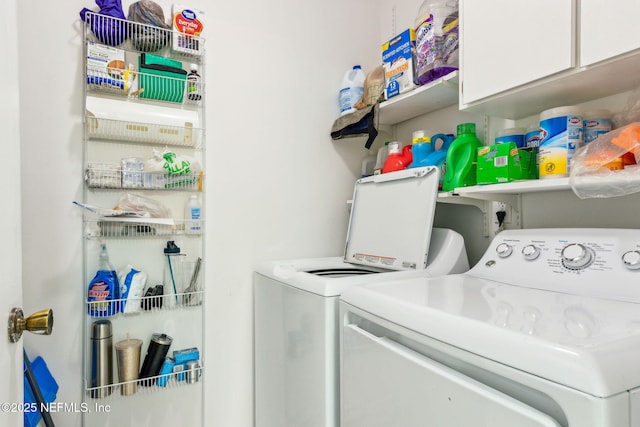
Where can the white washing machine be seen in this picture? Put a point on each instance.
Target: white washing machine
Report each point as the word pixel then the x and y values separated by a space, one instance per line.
pixel 296 328
pixel 543 331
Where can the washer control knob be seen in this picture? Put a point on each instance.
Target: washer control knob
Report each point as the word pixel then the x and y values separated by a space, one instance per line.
pixel 576 256
pixel 530 252
pixel 504 250
pixel 631 260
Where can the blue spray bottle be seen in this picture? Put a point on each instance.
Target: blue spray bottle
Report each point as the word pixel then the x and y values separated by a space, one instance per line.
pixel 104 288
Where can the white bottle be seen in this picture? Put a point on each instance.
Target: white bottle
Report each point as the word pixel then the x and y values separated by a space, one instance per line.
pixel 193 216
pixel 383 153
pixel 193 84
pixel 351 90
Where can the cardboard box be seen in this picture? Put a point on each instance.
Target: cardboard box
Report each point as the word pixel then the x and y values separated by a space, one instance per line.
pixel 501 163
pixel 187 24
pixel 398 60
pixel 105 67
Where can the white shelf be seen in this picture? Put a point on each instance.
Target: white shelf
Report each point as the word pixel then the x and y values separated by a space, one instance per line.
pixel 516 187
pixel 568 88
pixel 424 99
pixel 146 304
pixel 145 386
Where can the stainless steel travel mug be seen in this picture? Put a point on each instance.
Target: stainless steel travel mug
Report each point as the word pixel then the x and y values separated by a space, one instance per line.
pixel 156 353
pixel 101 358
pixel 193 371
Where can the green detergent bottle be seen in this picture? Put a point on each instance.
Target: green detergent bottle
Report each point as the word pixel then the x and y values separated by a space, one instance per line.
pixel 462 158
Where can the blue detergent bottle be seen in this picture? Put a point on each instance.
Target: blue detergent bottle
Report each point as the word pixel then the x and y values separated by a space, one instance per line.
pixel 439 156
pixel 421 147
pixel 104 288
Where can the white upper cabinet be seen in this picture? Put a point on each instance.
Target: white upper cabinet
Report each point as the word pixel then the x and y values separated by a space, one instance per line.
pixel 519 58
pixel 608 29
pixel 509 43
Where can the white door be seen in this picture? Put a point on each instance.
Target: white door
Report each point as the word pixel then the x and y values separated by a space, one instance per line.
pixel 509 43
pixel 607 29
pixel 11 391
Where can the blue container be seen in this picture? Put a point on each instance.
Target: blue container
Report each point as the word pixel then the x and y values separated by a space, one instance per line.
pixel 48 387
pixel 515 135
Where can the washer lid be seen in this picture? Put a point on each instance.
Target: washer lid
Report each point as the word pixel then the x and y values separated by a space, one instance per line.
pixel 589 344
pixel 391 219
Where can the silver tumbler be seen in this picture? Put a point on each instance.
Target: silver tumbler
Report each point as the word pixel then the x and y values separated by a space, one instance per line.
pixel 101 358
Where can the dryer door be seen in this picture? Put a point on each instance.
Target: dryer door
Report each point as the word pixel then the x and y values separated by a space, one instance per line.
pixel 386 384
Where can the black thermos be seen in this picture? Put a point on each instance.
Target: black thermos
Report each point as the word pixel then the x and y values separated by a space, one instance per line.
pixel 153 360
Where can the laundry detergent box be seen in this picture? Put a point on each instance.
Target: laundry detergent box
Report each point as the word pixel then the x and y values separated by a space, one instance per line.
pixel 398 60
pixel 105 67
pixel 187 24
pixel 500 163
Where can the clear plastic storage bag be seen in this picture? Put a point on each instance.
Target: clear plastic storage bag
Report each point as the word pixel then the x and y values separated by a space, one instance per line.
pixel 151 33
pixel 607 166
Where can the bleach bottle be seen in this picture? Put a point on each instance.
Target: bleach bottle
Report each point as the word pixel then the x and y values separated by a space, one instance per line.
pixel 104 288
pixel 462 158
pixel 351 90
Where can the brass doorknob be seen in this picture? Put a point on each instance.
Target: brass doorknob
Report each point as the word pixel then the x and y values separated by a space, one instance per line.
pixel 40 322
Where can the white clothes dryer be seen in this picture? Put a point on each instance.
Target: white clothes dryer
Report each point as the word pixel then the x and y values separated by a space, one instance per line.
pixel 543 331
pixel 296 329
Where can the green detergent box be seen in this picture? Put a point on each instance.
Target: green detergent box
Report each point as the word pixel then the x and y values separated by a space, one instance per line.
pixel 161 78
pixel 500 163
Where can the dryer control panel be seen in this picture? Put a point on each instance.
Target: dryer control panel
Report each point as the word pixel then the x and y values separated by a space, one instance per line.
pixel 602 263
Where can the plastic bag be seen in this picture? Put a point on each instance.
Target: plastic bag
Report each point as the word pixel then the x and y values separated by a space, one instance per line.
pixel 607 166
pixel 143 205
pixel 631 113
pixel 132 283
pixel 168 169
pixel 156 33
pixel 107 30
pixel 373 88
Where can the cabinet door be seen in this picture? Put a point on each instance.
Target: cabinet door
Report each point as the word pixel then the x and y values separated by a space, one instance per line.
pixel 607 29
pixel 508 43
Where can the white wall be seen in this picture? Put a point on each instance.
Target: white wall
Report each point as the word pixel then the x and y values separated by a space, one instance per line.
pixel 276 185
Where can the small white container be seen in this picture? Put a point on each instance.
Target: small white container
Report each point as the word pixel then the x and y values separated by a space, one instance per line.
pixel 193 216
pixel 560 135
pixel 596 123
pixel 515 135
pixel 383 153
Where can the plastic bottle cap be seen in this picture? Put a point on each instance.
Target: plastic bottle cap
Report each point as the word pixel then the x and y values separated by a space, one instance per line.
pixel 194 67
pixel 101 329
pixel 394 147
pixel 357 67
pixel 466 128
